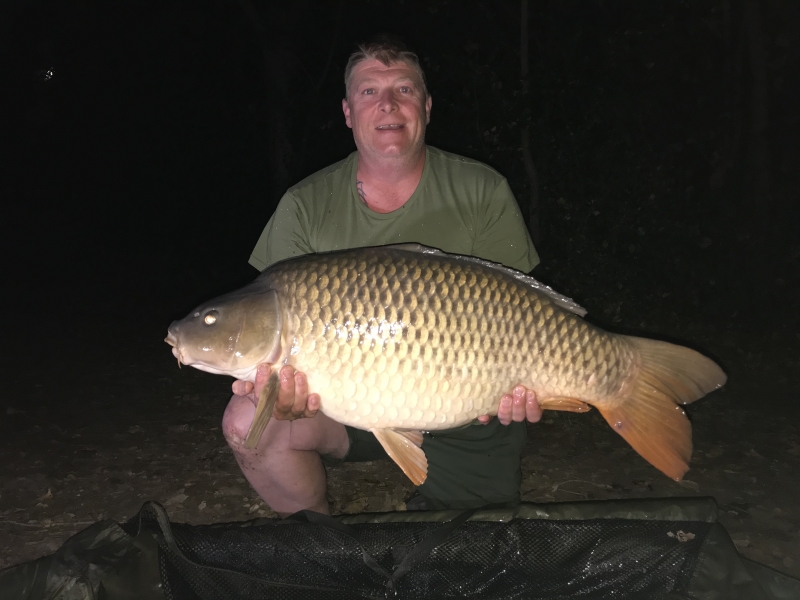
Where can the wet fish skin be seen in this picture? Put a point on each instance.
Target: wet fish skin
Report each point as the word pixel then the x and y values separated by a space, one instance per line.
pixel 397 340
pixel 412 343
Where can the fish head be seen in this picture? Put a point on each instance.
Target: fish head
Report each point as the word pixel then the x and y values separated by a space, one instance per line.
pixel 230 335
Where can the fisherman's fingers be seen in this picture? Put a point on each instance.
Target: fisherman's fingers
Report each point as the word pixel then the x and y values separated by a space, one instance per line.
pixel 525 405
pixel 300 407
pixel 521 405
pixel 313 405
pixel 284 405
pixel 294 401
pixel 533 412
pixel 253 389
pixel 518 412
pixel 505 410
pixel 241 388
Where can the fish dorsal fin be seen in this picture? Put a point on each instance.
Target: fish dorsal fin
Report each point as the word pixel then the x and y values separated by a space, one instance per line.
pixel 402 448
pixel 559 299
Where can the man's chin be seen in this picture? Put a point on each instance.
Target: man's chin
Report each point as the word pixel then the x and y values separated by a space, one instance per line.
pixel 396 150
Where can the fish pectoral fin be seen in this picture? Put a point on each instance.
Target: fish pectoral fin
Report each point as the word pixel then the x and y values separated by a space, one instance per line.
pixel 403 449
pixel 415 437
pixel 564 403
pixel 264 408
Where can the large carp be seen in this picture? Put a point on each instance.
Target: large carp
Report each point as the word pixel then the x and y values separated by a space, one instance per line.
pixel 403 339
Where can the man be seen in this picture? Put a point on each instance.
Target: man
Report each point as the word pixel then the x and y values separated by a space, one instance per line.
pixel 393 189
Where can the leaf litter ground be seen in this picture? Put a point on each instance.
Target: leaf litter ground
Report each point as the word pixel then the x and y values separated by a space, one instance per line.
pixel 158 438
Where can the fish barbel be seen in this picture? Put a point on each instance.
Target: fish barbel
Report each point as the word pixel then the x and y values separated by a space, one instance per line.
pixel 399 340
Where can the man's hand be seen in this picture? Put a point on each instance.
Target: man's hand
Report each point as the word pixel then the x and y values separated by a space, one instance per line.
pixel 294 401
pixel 520 405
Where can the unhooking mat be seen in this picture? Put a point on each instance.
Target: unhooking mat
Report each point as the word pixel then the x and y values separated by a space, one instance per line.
pixel 659 549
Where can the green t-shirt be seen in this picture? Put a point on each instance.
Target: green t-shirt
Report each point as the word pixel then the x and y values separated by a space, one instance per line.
pixel 460 206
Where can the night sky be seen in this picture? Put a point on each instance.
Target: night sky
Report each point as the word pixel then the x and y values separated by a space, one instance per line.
pixel 146 144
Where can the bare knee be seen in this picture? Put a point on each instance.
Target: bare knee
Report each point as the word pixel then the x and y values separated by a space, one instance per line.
pixel 236 423
pixel 318 433
pixel 237 419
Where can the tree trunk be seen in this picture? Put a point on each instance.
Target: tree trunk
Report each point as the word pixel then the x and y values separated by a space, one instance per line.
pixel 758 150
pixel 276 86
pixel 311 117
pixel 533 213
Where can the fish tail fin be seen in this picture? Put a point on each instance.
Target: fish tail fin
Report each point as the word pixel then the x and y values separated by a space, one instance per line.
pixel 649 417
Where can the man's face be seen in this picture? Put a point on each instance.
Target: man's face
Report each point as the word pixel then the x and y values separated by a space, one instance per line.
pixel 387 109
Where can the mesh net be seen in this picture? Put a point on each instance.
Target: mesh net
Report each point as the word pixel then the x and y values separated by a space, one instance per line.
pixel 523 558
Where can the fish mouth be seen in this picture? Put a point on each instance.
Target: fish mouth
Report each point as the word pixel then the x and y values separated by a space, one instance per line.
pixel 172 341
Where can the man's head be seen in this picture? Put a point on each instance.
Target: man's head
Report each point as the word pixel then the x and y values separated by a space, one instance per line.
pixel 387 52
pixel 387 104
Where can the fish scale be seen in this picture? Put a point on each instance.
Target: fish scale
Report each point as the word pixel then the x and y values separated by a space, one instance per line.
pixel 442 300
pixel 399 339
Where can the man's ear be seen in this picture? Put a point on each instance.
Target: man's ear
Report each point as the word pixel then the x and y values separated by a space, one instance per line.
pixel 428 104
pixel 346 111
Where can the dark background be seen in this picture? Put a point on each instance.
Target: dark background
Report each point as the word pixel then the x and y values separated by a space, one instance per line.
pixel 146 144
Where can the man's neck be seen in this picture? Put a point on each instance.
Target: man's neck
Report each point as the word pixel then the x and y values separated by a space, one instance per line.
pixel 385 185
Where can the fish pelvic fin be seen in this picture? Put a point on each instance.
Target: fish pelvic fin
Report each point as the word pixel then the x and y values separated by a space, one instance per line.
pixel 649 417
pixel 564 403
pixel 404 448
pixel 264 408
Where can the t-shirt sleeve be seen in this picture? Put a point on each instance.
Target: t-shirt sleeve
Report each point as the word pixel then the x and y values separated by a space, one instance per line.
pixel 504 237
pixel 285 236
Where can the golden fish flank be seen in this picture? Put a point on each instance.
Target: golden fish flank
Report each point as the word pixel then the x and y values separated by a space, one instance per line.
pixel 433 350
pixel 400 340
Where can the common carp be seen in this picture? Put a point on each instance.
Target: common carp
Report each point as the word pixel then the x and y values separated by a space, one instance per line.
pixel 399 340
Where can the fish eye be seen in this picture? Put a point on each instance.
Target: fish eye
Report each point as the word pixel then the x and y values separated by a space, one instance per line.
pixel 211 317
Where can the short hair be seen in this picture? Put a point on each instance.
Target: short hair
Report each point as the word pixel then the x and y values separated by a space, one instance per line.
pixel 388 50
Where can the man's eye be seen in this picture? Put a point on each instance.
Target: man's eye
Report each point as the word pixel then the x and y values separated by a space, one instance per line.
pixel 405 89
pixel 368 91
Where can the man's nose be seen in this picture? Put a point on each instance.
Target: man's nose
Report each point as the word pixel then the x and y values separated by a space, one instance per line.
pixel 388 101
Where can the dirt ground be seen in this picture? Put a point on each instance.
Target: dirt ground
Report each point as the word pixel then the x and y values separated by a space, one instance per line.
pixel 83 448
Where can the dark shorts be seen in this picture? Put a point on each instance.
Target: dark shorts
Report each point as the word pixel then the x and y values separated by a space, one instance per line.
pixel 467 467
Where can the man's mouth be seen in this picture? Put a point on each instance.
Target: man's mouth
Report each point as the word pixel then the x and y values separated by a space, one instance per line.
pixel 389 127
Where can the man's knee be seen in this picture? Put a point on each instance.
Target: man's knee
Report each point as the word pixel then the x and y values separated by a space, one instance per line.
pixel 318 433
pixel 236 422
pixel 237 419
